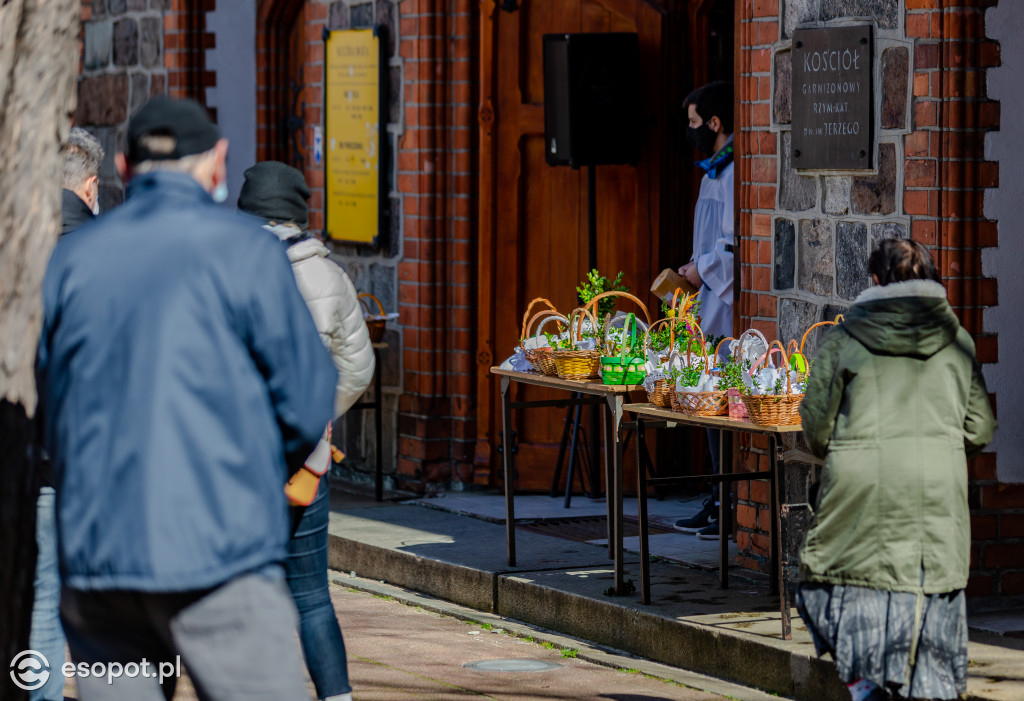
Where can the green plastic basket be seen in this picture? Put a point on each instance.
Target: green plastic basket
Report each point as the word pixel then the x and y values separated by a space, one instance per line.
pixel 622 369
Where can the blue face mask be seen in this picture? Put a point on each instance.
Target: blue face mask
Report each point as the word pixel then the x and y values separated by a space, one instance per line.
pixel 220 193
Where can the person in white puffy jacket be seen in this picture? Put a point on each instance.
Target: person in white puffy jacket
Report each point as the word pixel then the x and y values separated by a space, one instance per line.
pixel 278 194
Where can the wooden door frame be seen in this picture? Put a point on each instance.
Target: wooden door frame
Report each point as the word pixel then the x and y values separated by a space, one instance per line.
pixel 488 117
pixel 487 168
pixel 274 20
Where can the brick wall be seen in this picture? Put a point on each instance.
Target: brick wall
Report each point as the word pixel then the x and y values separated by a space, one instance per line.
pixel 423 270
pixel 805 237
pixel 133 49
pixel 436 176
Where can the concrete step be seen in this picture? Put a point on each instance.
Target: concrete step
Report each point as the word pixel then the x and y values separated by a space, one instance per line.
pixel 732 634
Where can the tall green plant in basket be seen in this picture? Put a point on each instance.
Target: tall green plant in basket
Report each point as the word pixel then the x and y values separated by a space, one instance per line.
pixel 595 284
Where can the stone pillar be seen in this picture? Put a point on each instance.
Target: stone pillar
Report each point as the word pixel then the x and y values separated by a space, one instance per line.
pixel 930 115
pixel 122 67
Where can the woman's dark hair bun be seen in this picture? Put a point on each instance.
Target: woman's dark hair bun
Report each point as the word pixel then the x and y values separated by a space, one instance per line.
pixel 898 260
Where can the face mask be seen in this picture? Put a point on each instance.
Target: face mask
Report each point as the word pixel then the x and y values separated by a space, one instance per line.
pixel 702 138
pixel 220 193
pixel 96 208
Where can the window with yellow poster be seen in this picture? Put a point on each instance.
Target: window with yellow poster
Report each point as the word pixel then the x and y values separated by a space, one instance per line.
pixel 352 171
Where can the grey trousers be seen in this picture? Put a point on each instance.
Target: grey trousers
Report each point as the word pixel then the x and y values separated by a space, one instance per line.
pixel 238 641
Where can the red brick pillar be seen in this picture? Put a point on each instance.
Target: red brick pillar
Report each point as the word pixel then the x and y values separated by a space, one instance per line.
pixel 436 169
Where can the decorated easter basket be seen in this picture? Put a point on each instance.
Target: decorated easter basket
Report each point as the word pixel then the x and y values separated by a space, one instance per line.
pixel 679 311
pixel 542 359
pixel 658 391
pixel 702 403
pixel 797 354
pixel 775 409
pixel 575 364
pixel 539 358
pixel 623 369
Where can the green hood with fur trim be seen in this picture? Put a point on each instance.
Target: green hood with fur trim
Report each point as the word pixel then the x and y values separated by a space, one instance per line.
pixel 895 405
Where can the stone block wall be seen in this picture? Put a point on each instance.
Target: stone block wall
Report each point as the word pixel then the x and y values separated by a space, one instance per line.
pixel 131 51
pixel 805 236
pixel 121 68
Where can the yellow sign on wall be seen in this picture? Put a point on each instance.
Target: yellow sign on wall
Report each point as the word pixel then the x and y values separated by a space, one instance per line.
pixel 352 148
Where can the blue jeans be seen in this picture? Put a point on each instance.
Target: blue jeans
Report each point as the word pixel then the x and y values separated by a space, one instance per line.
pixel 47 636
pixel 306 568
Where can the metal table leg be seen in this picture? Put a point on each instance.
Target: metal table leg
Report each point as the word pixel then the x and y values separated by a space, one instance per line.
pixel 574 450
pixel 506 455
pixel 613 417
pixel 778 491
pixel 609 449
pixel 645 555
pixel 378 410
pixel 724 513
pixel 595 443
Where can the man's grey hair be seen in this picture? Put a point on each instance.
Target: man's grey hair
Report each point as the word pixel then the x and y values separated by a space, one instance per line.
pixel 82 157
pixel 158 143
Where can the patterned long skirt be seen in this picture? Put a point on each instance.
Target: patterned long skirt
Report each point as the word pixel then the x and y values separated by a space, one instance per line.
pixel 883 637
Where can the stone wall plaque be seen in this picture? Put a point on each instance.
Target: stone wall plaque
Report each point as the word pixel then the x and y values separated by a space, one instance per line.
pixel 833 106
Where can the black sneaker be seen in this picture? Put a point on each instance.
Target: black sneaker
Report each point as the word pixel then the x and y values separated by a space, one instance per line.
pixel 699 521
pixel 710 532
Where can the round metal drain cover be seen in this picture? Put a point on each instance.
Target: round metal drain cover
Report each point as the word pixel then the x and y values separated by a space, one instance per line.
pixel 512 665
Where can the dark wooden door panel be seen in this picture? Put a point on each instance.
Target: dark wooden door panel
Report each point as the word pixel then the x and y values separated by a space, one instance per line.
pixel 533 217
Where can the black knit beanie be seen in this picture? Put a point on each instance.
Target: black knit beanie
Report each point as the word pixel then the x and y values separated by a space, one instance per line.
pixel 277 192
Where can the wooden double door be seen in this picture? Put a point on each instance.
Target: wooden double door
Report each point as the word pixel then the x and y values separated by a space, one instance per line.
pixel 533 217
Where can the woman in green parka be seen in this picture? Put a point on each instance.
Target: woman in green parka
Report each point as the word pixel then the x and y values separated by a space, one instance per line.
pixel 895 405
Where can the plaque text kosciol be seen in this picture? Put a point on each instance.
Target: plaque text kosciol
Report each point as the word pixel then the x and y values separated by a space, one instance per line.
pixel 832 98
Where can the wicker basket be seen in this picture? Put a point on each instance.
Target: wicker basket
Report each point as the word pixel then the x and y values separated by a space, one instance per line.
pixel 374 324
pixel 578 364
pixel 660 395
pixel 539 358
pixel 797 356
pixel 673 398
pixel 703 403
pixel 542 362
pixel 775 409
pixel 671 338
pixel 734 407
pixel 623 369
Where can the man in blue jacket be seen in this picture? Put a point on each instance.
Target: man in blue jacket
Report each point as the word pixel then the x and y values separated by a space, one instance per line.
pixel 181 375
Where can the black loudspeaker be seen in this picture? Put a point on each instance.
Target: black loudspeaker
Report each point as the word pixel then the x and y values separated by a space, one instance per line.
pixel 592 99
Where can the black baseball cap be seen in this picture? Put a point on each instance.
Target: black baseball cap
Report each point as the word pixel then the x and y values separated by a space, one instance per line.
pixel 184 121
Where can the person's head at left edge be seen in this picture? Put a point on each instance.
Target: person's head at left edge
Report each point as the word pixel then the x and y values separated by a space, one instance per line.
pixel 176 136
pixel 82 155
pixel 709 113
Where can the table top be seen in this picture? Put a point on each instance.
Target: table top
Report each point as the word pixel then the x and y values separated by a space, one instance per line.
pixel 584 386
pixel 724 422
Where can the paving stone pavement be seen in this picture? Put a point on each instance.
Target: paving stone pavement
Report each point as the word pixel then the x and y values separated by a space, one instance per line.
pixel 398 652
